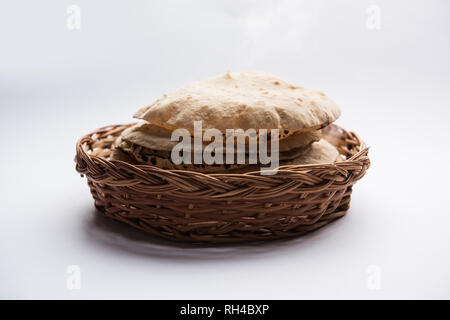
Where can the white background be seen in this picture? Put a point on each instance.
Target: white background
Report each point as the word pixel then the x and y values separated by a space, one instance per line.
pixel 57 84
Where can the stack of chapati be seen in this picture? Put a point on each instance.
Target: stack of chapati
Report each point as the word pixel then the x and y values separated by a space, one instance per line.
pixel 237 100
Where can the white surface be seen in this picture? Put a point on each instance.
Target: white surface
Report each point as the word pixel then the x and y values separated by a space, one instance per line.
pixel 392 84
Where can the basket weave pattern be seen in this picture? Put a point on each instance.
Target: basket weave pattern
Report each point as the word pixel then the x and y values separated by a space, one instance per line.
pixel 196 207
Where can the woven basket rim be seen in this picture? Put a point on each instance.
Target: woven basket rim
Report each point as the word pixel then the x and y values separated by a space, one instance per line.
pixel 296 168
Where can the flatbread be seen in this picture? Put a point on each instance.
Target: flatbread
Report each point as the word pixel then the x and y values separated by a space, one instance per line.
pixel 319 153
pixel 133 153
pixel 123 150
pixel 243 100
pixel 159 138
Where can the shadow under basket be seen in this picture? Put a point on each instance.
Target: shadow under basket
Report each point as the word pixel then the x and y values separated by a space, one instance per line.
pixel 195 207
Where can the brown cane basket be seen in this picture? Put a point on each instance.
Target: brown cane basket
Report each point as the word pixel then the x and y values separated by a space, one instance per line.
pixel 195 207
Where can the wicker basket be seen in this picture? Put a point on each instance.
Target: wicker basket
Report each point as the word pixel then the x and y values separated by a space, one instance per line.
pixel 196 207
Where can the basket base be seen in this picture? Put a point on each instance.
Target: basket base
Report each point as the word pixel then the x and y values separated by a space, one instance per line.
pixel 285 226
